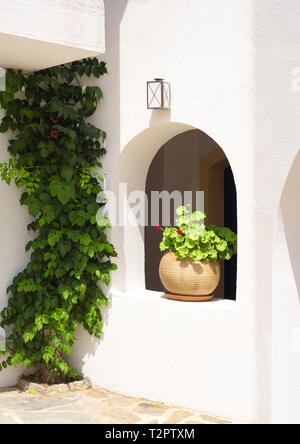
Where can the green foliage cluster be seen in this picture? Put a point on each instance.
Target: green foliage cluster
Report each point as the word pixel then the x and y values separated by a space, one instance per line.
pixel 53 157
pixel 191 238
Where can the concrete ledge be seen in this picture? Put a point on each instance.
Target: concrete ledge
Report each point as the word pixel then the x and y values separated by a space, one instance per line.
pixel 37 34
pixel 155 296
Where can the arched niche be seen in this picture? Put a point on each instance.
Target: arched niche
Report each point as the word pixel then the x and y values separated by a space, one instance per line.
pixel 191 162
pixel 290 215
pixel 286 300
pixel 132 170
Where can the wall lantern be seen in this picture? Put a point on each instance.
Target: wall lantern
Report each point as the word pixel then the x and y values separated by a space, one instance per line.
pixel 158 94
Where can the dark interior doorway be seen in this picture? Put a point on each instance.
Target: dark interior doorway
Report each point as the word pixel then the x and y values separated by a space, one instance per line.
pixel 230 221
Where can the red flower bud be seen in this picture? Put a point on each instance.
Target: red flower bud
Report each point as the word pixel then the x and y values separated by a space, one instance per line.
pixel 180 232
pixel 157 227
pixel 53 119
pixel 54 134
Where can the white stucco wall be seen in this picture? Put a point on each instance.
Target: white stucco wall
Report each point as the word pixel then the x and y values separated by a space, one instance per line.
pixel 230 65
pixel 203 356
pixel 277 180
pixel 37 34
pixel 13 238
pixel 286 309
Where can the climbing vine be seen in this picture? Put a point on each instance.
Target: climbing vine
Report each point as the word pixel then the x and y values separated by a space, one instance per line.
pixel 53 157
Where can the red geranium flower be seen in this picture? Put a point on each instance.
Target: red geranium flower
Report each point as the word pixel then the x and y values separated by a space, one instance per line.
pixel 54 134
pixel 53 119
pixel 180 232
pixel 157 227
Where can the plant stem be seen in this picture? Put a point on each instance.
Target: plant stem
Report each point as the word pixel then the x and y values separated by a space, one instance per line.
pixel 77 80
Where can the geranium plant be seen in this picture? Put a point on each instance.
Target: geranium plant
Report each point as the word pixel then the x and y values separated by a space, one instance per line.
pixel 191 238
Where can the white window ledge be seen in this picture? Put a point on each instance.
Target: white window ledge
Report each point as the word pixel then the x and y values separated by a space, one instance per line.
pixel 214 304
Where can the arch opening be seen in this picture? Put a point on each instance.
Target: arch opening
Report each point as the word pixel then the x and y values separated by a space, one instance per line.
pixel 190 163
pixel 290 213
pixel 132 170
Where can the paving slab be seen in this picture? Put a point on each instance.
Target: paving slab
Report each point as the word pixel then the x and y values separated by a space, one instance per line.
pixel 93 406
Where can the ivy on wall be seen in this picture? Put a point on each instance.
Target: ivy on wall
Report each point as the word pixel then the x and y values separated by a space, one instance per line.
pixel 52 157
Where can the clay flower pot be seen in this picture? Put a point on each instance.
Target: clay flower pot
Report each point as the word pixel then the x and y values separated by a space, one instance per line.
pixel 188 280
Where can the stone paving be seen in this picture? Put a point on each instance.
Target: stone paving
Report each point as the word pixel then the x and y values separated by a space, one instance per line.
pixel 93 406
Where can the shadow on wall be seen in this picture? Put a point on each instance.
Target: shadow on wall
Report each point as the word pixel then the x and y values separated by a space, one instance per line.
pixel 86 346
pixel 159 117
pixel 290 208
pixel 132 169
pixel 109 114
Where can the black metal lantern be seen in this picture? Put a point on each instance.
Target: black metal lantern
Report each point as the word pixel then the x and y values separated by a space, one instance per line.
pixel 158 94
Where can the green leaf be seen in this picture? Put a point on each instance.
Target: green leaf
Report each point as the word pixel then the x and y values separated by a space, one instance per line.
pixel 4 127
pixel 102 221
pixel 48 213
pixel 74 235
pixel 33 206
pixel 28 246
pixel 65 194
pixel 198 216
pixel 66 172
pixel 54 237
pixel 64 247
pixel 63 190
pixel 181 211
pixel 29 336
pixel 85 239
pixel 44 153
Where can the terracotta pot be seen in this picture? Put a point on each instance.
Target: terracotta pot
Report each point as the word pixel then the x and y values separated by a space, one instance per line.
pixel 189 280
